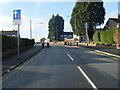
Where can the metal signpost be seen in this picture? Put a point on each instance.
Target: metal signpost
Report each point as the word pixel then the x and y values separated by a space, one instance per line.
pixel 17 21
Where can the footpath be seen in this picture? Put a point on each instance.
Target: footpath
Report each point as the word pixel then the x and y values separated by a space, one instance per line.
pixel 104 50
pixel 11 62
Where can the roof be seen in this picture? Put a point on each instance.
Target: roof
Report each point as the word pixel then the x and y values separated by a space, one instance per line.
pixel 8 32
pixel 68 33
pixel 114 19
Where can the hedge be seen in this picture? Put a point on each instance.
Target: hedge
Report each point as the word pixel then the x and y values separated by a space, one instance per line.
pixel 11 42
pixel 104 36
pixel 116 36
pixel 96 36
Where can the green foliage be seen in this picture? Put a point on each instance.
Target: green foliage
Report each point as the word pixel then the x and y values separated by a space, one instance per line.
pixel 91 12
pixel 116 36
pixel 56 26
pixel 11 42
pixel 106 36
pixel 96 36
pixel 103 36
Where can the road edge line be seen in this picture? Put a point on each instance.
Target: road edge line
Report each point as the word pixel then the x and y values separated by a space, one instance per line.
pixel 117 56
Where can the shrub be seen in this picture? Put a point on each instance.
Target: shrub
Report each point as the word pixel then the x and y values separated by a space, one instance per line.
pixel 107 36
pixel 96 36
pixel 11 42
pixel 110 35
pixel 103 36
pixel 116 36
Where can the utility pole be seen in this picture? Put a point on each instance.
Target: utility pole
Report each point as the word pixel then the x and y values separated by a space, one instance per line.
pixel 18 41
pixel 87 37
pixel 30 29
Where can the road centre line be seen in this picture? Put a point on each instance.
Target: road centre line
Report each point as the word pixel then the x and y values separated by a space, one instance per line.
pixel 88 79
pixel 84 74
pixel 70 57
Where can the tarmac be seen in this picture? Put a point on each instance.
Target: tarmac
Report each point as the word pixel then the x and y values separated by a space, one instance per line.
pixel 11 62
pixel 107 51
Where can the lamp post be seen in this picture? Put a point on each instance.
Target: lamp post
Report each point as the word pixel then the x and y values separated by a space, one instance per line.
pixel 86 30
pixel 30 29
pixel 36 30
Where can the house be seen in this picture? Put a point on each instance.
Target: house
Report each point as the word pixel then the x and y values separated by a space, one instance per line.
pixel 68 35
pixel 112 23
pixel 9 33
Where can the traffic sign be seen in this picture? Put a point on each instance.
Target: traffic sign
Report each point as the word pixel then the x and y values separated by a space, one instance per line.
pixel 17 17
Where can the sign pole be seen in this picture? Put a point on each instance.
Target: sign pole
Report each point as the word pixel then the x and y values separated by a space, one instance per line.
pixel 18 41
pixel 17 21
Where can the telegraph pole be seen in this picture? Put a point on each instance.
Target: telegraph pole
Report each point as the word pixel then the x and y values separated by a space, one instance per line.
pixel 30 29
pixel 87 37
pixel 18 41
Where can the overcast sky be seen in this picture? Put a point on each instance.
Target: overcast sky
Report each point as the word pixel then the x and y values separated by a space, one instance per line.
pixel 41 12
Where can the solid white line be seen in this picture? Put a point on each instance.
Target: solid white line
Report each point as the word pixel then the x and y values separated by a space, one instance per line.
pixel 108 53
pixel 70 57
pixel 88 79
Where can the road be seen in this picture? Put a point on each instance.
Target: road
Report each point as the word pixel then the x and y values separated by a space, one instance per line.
pixel 65 67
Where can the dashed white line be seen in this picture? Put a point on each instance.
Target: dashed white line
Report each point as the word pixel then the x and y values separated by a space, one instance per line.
pixel 88 79
pixel 85 75
pixel 70 57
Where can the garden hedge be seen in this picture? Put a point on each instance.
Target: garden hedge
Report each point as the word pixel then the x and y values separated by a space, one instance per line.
pixel 96 36
pixel 11 42
pixel 104 36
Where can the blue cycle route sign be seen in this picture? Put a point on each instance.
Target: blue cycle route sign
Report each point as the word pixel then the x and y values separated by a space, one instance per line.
pixel 17 17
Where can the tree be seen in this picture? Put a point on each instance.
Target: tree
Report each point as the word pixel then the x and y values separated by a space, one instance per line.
pixel 91 12
pixel 56 26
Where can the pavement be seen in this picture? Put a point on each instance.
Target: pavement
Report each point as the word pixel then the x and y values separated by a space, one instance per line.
pixel 65 67
pixel 13 61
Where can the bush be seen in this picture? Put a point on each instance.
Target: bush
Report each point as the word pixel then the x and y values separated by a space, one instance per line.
pixel 11 42
pixel 103 36
pixel 107 36
pixel 116 36
pixel 96 36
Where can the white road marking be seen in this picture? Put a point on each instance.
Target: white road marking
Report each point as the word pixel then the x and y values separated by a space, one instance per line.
pixel 107 53
pixel 70 57
pixel 85 75
pixel 88 79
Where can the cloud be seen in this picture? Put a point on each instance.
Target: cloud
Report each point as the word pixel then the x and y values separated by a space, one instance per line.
pixel 6 24
pixel 67 27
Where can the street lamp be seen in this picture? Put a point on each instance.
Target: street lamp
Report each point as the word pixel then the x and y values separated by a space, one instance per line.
pixel 36 30
pixel 86 30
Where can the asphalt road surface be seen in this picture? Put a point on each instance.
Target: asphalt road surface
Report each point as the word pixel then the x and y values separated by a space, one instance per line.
pixel 65 67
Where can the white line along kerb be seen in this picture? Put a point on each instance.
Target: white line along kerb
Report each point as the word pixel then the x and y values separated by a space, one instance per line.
pixel 88 79
pixel 70 57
